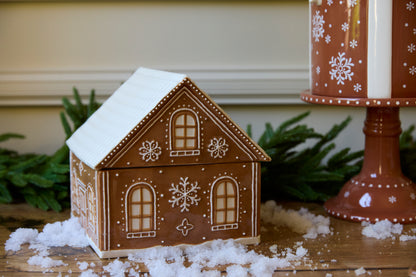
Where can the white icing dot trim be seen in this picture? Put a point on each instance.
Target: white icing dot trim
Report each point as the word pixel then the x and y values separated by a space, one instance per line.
pixel 371 185
pixel 361 218
pixel 361 102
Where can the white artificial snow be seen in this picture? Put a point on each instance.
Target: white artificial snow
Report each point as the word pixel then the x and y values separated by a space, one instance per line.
pixel 381 230
pixel 68 232
pixel 236 271
pixel 117 268
pixel 302 221
pixel 273 248
pixel 19 237
pixel 174 261
pixel 169 261
pixel 360 271
pixel 301 252
pixel 407 237
pixel 82 265
pixel 45 262
pixel 88 273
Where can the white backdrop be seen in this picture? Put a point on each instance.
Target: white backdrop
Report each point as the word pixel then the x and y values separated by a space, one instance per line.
pixel 251 56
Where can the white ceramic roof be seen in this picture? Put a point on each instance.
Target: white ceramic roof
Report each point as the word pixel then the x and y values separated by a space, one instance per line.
pixel 122 111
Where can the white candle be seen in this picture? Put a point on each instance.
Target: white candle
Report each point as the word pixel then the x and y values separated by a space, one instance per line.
pixel 379 52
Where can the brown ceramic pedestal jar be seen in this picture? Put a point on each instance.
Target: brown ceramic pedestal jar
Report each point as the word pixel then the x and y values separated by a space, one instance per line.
pixel 362 53
pixel 380 191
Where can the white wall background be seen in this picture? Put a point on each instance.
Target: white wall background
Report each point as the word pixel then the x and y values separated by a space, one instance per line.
pixel 251 56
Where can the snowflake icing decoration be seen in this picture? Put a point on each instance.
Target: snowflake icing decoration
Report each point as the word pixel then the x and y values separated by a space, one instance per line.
pixel 150 151
pixel 392 199
pixel 185 194
pixel 353 43
pixel 341 68
pixel 345 26
pixel 410 6
pixel 318 26
pixel 328 39
pixel 357 87
pixel 411 48
pixel 412 70
pixel 218 147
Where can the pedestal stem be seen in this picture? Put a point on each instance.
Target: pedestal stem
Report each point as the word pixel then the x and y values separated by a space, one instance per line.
pixel 382 153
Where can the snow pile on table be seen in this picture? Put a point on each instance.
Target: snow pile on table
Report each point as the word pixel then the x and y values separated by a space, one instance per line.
pixel 195 260
pixel 385 229
pixel 171 261
pixel 56 234
pixel 239 261
pixel 302 221
pixel 381 230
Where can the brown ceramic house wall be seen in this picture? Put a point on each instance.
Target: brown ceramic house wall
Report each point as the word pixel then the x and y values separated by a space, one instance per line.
pixel 80 198
pixel 168 217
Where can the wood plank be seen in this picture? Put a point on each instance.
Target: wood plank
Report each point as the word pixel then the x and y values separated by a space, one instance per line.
pixel 338 254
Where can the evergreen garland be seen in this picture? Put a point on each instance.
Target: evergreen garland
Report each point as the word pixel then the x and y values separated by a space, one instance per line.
pixel 42 180
pixel 303 174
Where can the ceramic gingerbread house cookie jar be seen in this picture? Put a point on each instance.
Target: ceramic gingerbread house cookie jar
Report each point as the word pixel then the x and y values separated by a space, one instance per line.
pixel 158 164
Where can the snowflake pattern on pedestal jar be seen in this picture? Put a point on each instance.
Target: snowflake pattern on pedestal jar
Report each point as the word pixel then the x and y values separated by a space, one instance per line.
pixel 341 68
pixel 185 194
pixel 318 26
pixel 404 49
pixel 218 147
pixel 337 58
pixel 150 151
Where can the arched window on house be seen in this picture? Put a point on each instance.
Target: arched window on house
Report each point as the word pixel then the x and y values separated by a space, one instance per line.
pixel 184 134
pixel 92 209
pixel 224 199
pixel 140 211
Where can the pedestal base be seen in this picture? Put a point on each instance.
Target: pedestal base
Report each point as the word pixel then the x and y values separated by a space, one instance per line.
pixel 367 199
pixel 380 191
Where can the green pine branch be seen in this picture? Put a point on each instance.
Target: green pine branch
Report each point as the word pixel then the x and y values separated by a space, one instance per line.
pixel 304 174
pixel 315 173
pixel 42 180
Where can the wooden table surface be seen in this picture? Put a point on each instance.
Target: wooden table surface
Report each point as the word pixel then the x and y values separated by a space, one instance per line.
pixel 334 255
